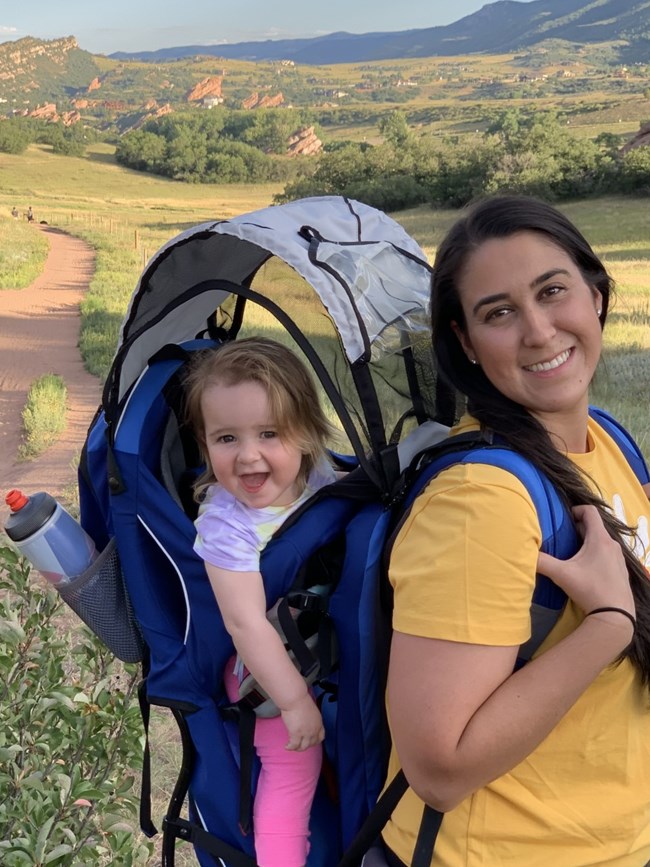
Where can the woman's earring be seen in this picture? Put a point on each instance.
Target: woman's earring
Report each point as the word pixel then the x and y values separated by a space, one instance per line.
pixel 598 312
pixel 473 361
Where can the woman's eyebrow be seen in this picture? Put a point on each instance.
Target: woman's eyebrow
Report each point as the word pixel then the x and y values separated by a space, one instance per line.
pixel 547 276
pixel 503 296
pixel 489 299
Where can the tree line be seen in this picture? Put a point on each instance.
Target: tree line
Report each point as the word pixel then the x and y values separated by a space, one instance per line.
pixel 535 154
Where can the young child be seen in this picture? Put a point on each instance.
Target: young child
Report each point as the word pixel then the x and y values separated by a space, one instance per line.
pixel 257 417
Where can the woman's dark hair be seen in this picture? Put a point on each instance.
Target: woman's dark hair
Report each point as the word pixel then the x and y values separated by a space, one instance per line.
pixel 501 217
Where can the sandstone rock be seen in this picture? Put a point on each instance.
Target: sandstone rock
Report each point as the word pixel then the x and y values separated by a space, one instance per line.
pixel 210 86
pixel 45 112
pixel 69 118
pixel 304 142
pixel 266 101
pixel 641 139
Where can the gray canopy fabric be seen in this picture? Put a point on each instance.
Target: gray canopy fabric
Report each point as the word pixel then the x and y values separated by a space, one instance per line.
pixel 367 274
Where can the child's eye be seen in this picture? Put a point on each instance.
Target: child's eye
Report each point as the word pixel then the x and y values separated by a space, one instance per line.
pixel 226 438
pixel 268 434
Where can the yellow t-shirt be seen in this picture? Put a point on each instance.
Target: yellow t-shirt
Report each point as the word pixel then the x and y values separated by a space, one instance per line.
pixel 583 796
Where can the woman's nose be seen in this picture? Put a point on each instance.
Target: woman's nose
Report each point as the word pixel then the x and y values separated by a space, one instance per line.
pixel 538 327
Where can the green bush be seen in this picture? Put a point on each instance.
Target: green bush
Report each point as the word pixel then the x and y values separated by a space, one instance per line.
pixel 70 736
pixel 44 414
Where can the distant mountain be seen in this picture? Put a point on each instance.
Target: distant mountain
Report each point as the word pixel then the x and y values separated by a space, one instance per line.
pixel 500 27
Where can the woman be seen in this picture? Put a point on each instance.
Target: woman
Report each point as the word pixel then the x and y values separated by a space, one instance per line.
pixel 549 764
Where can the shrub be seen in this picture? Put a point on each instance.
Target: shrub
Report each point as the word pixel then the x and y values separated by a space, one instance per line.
pixel 69 738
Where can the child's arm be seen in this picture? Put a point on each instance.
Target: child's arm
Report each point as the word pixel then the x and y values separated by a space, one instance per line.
pixel 241 600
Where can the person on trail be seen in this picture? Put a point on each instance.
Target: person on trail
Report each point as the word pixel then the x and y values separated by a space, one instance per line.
pixel 30 215
pixel 256 415
pixel 14 212
pixel 549 763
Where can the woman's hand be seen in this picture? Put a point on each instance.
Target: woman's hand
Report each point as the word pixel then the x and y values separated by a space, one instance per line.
pixel 304 724
pixel 596 576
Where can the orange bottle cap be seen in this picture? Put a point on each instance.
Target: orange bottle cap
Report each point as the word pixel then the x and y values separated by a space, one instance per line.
pixel 15 499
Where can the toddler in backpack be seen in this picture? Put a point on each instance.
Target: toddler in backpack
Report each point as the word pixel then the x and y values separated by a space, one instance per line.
pixel 256 415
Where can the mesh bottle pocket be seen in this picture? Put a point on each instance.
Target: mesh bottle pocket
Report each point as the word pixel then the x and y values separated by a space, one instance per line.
pixel 99 597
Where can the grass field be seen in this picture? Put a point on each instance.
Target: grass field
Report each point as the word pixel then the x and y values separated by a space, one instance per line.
pixel 127 216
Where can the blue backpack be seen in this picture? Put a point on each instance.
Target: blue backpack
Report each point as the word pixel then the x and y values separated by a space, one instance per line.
pixel 350 288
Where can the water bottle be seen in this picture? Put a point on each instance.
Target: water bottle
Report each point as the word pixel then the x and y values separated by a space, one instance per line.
pixel 48 536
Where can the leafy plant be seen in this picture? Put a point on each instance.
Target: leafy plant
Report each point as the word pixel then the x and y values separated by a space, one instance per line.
pixel 70 735
pixel 43 414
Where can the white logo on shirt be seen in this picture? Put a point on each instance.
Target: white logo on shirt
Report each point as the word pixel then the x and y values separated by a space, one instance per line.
pixel 640 542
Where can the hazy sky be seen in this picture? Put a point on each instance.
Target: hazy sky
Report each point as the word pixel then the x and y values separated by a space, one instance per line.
pixel 139 25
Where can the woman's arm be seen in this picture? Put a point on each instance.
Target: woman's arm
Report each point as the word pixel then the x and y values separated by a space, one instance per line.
pixel 242 602
pixel 460 717
pixel 646 488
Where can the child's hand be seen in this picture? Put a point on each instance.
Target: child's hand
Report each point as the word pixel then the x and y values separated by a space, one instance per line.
pixel 304 724
pixel 596 576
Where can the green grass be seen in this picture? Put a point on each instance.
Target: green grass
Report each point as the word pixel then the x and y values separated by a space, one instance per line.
pixel 23 250
pixel 44 415
pixel 126 216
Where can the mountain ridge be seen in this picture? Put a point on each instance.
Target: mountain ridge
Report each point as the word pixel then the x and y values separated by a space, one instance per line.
pixel 499 27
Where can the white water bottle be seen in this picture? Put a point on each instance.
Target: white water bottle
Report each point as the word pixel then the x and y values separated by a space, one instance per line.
pixel 48 536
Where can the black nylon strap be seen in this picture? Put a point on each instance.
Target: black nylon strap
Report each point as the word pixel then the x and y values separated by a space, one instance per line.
pixel 195 834
pixel 374 824
pixel 429 827
pixel 146 825
pixel 296 642
pixel 246 754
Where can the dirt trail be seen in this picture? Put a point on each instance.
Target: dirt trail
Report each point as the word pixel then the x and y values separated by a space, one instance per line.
pixel 39 333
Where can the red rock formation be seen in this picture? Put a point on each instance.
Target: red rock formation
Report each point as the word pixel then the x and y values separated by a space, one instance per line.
pixel 251 101
pixel 69 118
pixel 210 86
pixel 640 139
pixel 304 142
pixel 151 115
pixel 95 84
pixel 257 101
pixel 45 112
pixel 270 101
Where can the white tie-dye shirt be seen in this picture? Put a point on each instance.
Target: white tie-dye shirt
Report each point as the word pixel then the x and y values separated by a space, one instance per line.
pixel 231 535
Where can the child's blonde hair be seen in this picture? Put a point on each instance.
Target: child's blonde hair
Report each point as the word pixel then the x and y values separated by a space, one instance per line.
pixel 293 399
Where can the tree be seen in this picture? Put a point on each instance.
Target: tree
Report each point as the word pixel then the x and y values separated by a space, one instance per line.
pixel 14 137
pixel 395 129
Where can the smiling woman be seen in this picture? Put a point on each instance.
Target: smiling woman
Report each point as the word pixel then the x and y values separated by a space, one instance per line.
pixel 529 766
pixel 532 322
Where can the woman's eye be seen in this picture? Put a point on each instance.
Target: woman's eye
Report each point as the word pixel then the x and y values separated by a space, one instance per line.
pixel 497 313
pixel 551 291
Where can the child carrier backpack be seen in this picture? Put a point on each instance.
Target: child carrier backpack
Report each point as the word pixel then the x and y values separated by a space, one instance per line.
pixel 347 287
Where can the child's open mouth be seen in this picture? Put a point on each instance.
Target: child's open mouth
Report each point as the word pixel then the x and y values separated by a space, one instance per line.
pixel 252 482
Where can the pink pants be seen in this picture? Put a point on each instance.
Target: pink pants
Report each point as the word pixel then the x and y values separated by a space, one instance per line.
pixel 285 790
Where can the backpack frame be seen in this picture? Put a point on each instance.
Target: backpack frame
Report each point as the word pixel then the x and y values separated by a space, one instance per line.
pixel 148 596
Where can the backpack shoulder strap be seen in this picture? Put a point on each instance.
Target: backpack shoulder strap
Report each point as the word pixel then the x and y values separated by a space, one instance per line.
pixel 624 441
pixel 558 532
